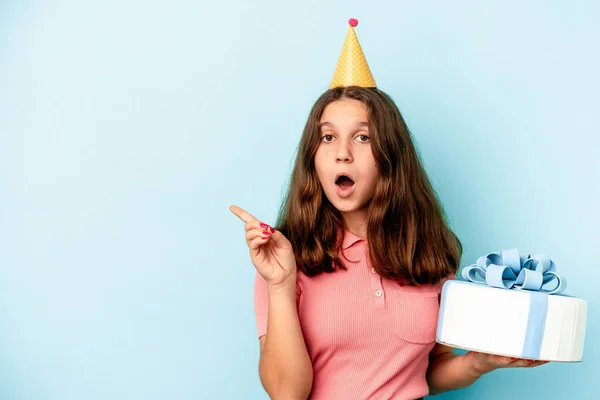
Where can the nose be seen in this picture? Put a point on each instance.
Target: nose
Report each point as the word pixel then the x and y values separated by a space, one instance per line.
pixel 343 153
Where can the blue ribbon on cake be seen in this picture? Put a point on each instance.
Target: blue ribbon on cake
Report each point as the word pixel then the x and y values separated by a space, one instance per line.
pixel 511 270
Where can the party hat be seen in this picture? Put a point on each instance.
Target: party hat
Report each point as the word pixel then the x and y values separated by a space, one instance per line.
pixel 352 68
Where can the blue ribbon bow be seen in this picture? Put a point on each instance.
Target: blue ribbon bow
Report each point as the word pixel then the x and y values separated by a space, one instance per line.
pixel 510 270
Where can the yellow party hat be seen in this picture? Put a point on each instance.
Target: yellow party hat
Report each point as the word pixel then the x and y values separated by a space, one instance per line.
pixel 352 68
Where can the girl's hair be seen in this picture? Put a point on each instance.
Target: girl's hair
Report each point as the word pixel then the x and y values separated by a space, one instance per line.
pixel 408 237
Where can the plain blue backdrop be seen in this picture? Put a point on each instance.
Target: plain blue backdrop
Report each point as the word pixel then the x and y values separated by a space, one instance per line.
pixel 127 128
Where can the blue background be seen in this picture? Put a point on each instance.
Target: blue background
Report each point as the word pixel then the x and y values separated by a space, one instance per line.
pixel 128 128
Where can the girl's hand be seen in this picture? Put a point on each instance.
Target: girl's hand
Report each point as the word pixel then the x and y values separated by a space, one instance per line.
pixel 484 363
pixel 270 251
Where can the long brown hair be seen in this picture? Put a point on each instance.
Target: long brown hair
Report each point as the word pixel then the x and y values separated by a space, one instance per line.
pixel 408 237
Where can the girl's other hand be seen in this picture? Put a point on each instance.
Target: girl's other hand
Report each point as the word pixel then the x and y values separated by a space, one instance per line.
pixel 484 363
pixel 270 251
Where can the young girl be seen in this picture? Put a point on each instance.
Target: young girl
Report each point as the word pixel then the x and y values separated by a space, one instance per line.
pixel 348 284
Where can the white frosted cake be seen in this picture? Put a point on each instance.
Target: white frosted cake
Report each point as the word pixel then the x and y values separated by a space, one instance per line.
pixel 512 320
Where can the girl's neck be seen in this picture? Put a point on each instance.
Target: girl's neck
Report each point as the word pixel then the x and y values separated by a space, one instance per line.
pixel 356 222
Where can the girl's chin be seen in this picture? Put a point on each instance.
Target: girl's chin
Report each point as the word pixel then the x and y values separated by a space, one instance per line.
pixel 347 206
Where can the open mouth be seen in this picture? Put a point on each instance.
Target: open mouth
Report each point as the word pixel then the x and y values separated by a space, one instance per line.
pixel 344 185
pixel 344 182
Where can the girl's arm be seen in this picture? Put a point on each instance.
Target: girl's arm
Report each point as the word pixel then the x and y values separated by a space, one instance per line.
pixel 285 367
pixel 448 371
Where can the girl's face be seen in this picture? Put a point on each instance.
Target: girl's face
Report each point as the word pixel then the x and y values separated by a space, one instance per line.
pixel 344 159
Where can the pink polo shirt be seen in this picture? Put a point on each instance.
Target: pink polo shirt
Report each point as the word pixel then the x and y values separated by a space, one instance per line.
pixel 367 336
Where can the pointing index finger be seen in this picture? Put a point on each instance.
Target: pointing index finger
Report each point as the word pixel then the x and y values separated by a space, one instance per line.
pixel 242 214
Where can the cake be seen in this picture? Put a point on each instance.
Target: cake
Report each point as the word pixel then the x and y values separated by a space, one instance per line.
pixel 503 306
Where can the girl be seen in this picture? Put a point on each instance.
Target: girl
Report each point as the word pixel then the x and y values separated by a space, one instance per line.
pixel 348 283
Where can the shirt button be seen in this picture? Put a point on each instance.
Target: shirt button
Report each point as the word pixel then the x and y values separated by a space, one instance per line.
pixel 378 293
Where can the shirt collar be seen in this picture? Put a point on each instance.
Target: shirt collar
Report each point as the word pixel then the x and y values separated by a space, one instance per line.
pixel 349 239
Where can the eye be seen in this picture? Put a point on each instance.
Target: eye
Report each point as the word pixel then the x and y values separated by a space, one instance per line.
pixel 327 138
pixel 364 138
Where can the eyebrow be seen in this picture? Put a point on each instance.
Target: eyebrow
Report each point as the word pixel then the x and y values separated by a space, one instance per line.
pixel 329 124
